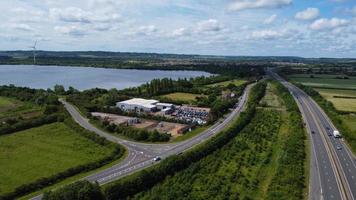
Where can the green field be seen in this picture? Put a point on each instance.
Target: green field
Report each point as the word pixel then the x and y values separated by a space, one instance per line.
pixel 28 155
pixel 7 104
pixel 350 121
pixel 181 96
pixel 13 108
pixel 236 82
pixel 271 99
pixel 335 97
pixel 325 81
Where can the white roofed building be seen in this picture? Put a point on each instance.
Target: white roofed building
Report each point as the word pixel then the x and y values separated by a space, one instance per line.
pixel 138 105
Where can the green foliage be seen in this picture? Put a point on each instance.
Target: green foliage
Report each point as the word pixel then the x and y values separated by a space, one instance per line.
pixel 231 172
pixel 81 190
pixel 147 178
pixel 289 182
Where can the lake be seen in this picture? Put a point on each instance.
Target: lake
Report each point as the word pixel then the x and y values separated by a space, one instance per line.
pixel 84 77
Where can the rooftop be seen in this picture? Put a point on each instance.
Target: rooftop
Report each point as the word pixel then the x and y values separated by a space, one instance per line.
pixel 139 101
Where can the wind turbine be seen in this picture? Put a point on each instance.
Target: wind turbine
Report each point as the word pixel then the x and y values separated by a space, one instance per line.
pixel 34 52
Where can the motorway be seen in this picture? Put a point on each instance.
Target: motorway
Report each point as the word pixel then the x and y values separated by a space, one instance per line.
pixel 333 166
pixel 141 155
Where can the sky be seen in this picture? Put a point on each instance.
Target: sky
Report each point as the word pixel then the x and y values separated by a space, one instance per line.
pixel 308 28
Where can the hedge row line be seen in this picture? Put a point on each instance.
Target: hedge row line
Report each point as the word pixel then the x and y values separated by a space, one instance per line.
pixel 47 181
pixel 147 178
pixel 30 123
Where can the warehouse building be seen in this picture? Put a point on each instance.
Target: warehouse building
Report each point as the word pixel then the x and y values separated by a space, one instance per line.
pixel 138 105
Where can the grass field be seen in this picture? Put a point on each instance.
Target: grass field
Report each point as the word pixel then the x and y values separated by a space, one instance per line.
pixel 181 96
pixel 325 81
pixel 236 82
pixel 342 104
pixel 6 104
pixel 271 99
pixel 13 108
pixel 43 151
pixel 350 121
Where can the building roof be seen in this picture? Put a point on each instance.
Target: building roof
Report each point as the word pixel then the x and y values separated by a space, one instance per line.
pixel 148 103
pixel 165 104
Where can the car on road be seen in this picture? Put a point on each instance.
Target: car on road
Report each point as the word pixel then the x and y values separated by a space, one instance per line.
pixel 157 158
pixel 338 147
pixel 313 132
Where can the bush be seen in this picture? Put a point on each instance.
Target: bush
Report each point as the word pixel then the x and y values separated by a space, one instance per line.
pixel 81 190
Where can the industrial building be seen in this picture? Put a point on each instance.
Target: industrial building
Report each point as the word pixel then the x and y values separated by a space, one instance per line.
pixel 138 105
pixel 144 105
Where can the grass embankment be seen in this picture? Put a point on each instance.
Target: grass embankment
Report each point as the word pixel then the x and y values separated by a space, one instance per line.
pixel 324 81
pixel 40 152
pixel 182 96
pixel 236 82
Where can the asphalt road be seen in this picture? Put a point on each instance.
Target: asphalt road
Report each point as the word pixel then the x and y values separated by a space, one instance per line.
pixel 333 171
pixel 141 155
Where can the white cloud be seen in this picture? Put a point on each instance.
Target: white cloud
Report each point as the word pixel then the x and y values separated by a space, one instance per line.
pixel 324 24
pixel 21 27
pixel 71 30
pixel 211 25
pixel 268 34
pixel 70 14
pixel 238 5
pixel 270 19
pixel 180 32
pixel 146 30
pixel 354 10
pixel 308 14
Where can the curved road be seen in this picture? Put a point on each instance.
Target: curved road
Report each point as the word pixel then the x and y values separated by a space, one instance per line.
pixel 140 155
pixel 333 170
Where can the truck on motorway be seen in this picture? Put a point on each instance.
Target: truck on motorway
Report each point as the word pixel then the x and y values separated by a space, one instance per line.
pixel 336 134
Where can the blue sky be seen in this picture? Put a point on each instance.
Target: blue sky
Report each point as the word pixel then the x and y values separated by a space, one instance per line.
pixel 309 28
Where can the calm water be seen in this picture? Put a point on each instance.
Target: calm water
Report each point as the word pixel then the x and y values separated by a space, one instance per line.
pixel 83 77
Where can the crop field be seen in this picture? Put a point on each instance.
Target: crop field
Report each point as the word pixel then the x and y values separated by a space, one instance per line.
pixel 39 152
pixel 181 96
pixel 325 81
pixel 236 82
pixel 343 100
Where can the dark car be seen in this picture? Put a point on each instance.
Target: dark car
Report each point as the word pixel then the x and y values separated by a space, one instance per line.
pixel 313 132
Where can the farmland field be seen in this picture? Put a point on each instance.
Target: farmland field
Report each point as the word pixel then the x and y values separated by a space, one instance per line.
pixel 236 82
pixel 181 96
pixel 325 81
pixel 28 155
pixel 335 96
